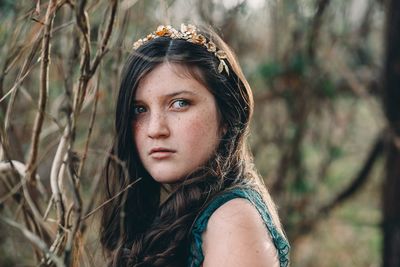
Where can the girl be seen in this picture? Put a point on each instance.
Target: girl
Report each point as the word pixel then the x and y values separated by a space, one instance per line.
pixel 194 197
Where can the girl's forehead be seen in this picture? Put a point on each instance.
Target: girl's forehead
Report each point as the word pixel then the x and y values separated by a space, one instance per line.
pixel 187 71
pixel 166 80
pixel 179 69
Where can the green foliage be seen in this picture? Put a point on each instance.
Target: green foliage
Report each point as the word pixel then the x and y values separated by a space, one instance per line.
pixel 270 70
pixel 302 186
pixel 335 152
pixel 328 88
pixel 298 63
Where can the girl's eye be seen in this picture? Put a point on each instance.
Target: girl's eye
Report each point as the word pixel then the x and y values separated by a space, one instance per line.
pixel 180 103
pixel 138 109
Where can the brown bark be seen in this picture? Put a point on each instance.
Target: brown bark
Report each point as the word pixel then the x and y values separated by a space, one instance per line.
pixel 322 5
pixel 391 100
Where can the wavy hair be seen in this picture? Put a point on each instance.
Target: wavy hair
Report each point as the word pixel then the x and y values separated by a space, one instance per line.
pixel 136 228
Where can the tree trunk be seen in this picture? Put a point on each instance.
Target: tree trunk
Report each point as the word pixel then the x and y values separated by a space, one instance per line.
pixel 391 101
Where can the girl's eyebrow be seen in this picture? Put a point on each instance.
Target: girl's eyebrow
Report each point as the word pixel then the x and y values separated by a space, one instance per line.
pixel 171 95
pixel 180 92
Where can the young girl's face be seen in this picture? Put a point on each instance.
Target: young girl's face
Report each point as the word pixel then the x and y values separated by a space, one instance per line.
pixel 176 126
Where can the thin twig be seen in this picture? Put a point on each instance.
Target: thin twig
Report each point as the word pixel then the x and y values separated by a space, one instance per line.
pixel 25 70
pixel 92 192
pixel 54 178
pixel 91 123
pixel 77 209
pixel 44 68
pixel 36 240
pixel 103 46
pixel 84 26
pixel 49 205
pixel 111 199
pixel 21 170
pixel 15 189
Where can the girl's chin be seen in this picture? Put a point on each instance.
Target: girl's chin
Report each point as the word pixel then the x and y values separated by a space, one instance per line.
pixel 170 180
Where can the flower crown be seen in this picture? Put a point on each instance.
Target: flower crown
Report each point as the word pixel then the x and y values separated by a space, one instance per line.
pixel 188 33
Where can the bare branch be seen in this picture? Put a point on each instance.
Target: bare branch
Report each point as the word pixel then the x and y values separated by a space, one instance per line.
pixel 45 58
pixel 361 177
pixel 82 20
pixel 103 45
pixel 20 168
pixel 91 123
pixel 95 183
pixel 111 199
pixel 26 68
pixel 77 209
pixel 34 239
pixel 378 147
pixel 54 177
pixel 316 26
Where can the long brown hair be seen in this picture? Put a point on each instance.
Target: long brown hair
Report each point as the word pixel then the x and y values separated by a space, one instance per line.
pixel 138 230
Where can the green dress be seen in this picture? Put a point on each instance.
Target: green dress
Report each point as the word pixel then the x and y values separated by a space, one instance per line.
pixel 196 256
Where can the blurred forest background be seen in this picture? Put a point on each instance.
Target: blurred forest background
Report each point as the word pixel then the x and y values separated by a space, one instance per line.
pixel 319 135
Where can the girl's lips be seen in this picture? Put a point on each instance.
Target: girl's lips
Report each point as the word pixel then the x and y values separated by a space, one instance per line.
pixel 161 152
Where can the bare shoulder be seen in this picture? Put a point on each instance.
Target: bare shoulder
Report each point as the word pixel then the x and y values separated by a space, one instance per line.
pixel 237 236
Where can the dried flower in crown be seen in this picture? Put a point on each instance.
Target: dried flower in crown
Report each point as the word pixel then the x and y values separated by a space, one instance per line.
pixel 188 33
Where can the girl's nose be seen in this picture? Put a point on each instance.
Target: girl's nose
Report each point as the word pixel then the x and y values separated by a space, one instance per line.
pixel 158 126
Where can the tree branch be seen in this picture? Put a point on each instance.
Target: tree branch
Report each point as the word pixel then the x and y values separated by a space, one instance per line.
pixel 316 26
pixel 44 68
pixel 363 174
pixel 36 240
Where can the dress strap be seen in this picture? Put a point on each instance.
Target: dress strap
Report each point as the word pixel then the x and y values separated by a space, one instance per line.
pixel 196 253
